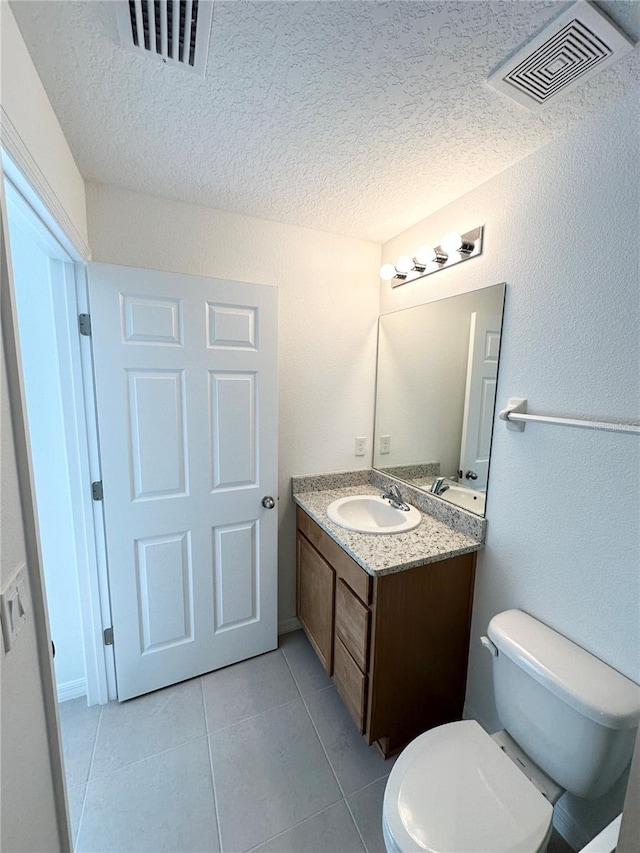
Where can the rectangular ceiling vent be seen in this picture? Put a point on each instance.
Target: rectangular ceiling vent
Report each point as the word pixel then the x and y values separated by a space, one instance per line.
pixel 575 46
pixel 173 31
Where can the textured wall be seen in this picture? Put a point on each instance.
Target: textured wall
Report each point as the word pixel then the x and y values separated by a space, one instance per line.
pixel 25 103
pixel 563 508
pixel 328 305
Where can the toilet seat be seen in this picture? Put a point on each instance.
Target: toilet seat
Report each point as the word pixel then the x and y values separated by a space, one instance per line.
pixel 453 790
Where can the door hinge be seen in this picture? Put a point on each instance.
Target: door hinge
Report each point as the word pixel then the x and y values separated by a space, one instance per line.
pixel 108 636
pixel 84 322
pixel 96 490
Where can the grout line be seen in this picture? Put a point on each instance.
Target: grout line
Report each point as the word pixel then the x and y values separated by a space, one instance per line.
pixel 254 716
pixel 251 716
pixel 308 692
pixel 289 667
pixel 355 823
pixel 213 775
pixel 86 784
pixel 348 805
pixel 324 749
pixel 293 825
pixel 189 739
pixel 344 796
pixel 148 757
pixel 315 728
pixel 369 784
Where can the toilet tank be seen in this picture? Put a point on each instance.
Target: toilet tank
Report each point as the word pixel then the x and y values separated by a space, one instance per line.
pixel 574 715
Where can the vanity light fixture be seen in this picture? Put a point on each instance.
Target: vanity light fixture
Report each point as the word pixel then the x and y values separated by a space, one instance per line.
pixel 453 249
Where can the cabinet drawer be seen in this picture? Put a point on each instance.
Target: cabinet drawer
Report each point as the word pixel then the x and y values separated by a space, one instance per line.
pixel 352 624
pixel 350 683
pixel 346 568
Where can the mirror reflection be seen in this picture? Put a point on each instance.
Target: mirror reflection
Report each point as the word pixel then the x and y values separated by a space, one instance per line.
pixel 435 394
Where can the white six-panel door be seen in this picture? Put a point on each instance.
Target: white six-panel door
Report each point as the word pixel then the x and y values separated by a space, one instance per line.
pixel 186 386
pixel 480 397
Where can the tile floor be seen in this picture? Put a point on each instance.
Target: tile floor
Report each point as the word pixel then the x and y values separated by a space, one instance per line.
pixel 259 756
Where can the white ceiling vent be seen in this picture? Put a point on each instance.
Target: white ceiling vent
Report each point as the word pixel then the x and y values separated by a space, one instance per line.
pixel 174 31
pixel 575 46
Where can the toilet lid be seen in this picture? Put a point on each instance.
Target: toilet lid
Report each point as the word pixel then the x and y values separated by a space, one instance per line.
pixel 454 789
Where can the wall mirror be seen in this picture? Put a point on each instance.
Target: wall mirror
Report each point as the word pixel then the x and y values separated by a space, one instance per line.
pixel 435 394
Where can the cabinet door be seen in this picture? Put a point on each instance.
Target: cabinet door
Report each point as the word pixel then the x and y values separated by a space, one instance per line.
pixel 316 589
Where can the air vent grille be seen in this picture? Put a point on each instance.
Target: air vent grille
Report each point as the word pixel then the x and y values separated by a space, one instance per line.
pixel 560 60
pixel 573 48
pixel 173 31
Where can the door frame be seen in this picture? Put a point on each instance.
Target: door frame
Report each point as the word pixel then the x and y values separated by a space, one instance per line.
pixel 81 440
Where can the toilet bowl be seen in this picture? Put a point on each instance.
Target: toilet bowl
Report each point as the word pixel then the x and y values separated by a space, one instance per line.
pixel 454 789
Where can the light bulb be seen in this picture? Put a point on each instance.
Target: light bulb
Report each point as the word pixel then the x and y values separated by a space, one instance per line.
pixel 425 255
pixel 387 272
pixel 451 242
pixel 404 264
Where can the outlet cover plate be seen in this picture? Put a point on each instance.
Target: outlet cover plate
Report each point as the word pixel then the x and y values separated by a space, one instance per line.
pixel 14 607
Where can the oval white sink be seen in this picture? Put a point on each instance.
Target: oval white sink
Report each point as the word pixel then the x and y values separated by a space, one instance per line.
pixel 465 498
pixel 372 514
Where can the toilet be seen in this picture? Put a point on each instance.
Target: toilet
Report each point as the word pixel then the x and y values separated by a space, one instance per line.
pixel 570 722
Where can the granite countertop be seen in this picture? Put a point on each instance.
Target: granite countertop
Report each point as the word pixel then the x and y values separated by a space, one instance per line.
pixel 378 554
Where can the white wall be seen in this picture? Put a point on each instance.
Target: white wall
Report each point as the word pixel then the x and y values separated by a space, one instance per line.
pixel 328 306
pixel 31 131
pixel 563 508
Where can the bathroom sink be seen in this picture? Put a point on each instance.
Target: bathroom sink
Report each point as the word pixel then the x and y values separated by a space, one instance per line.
pixel 372 514
pixel 465 498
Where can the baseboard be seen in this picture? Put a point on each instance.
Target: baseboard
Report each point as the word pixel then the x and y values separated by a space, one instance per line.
pixel 72 689
pixel 288 625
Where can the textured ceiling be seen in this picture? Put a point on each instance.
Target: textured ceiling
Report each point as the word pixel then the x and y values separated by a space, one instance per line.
pixel 354 117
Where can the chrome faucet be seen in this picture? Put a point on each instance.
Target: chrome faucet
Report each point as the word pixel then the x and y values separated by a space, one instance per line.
pixel 439 486
pixel 395 499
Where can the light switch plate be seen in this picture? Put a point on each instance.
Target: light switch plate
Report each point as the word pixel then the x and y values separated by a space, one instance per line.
pixel 15 607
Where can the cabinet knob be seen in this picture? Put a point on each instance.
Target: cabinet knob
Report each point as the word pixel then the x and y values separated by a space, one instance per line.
pixel 268 502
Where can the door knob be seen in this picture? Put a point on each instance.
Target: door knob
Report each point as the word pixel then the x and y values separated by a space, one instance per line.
pixel 268 502
pixel 471 475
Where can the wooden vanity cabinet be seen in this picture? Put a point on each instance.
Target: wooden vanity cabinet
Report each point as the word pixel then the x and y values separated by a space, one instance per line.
pixel 395 645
